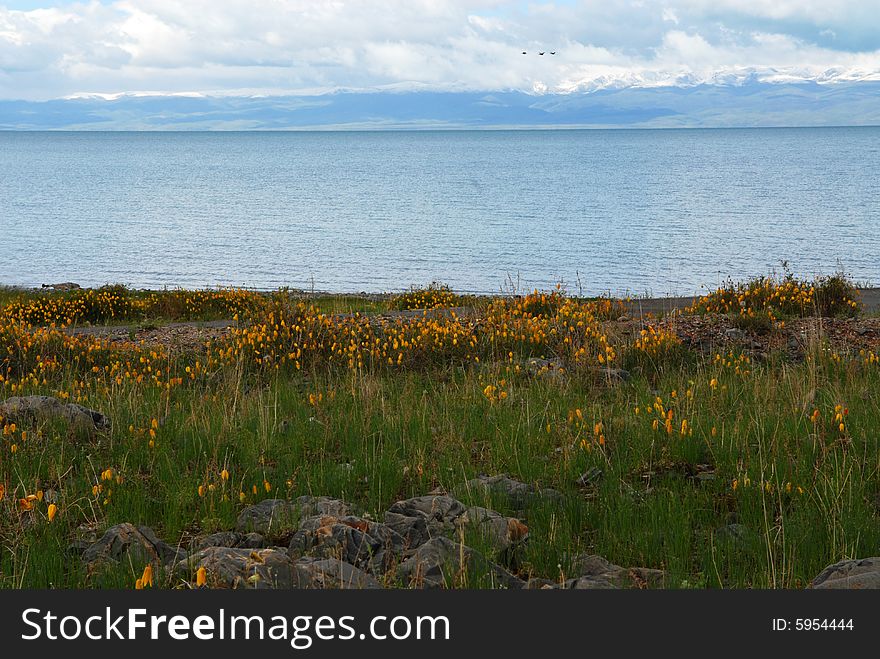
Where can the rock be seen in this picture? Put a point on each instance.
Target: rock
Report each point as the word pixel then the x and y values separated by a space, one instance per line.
pixel 500 531
pixel 518 494
pixel 598 569
pixel 360 542
pixel 221 539
pixel 252 541
pixel 65 286
pixel 537 583
pixel 137 545
pixel 419 519
pixel 262 569
pixel 588 583
pixel 277 518
pixel 21 409
pixel 229 567
pixel 854 574
pixel 733 334
pixel 231 539
pixel 331 573
pixel 441 562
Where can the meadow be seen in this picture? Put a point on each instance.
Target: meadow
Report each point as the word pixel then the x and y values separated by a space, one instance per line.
pixel 732 444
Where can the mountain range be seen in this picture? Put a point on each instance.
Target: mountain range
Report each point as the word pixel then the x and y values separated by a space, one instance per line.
pixel 744 102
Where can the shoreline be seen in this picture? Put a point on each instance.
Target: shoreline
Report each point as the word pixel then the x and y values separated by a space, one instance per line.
pixel 869 296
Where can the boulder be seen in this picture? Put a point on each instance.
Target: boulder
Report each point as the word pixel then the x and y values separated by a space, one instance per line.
pixel 231 567
pixel 230 539
pixel 330 573
pixel 355 540
pixel 441 562
pixel 588 583
pixel 264 569
pixel 501 532
pixel 24 409
pixel 63 286
pixel 137 545
pixel 419 519
pixel 278 518
pixel 855 574
pixel 519 495
pixel 596 571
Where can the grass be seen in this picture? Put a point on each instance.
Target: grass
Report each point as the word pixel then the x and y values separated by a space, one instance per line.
pixel 725 472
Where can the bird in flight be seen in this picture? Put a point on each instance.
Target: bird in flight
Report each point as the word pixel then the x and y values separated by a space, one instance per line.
pixel 552 52
pixel 525 53
pixel 540 53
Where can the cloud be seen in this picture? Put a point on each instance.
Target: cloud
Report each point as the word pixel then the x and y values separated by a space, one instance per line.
pixel 290 46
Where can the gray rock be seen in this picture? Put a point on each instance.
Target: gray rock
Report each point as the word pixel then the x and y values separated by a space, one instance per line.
pixel 329 573
pixel 518 494
pixel 855 574
pixel 501 532
pixel 734 333
pixel 231 539
pixel 419 519
pixel 360 542
pixel 263 569
pixel 230 567
pixel 589 583
pixel 441 562
pixel 23 409
pixel 221 539
pixel 64 286
pixel 598 569
pixel 277 518
pixel 137 545
pixel 537 583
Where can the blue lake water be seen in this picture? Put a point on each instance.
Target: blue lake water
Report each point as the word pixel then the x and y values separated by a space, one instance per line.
pixel 659 212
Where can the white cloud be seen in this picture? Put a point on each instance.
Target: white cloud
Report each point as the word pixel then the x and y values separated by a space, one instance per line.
pixel 275 46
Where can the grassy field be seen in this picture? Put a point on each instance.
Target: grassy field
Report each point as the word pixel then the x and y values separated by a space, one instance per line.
pixel 745 455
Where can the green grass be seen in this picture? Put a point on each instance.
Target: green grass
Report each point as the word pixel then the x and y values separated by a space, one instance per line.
pixel 802 492
pixel 407 434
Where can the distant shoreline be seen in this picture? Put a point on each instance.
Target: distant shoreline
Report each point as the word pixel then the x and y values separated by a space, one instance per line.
pixel 869 296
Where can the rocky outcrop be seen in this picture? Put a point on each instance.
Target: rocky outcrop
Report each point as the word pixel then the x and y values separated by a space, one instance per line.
pixel 355 540
pixel 855 574
pixel 517 494
pixel 596 572
pixel 230 567
pixel 230 539
pixel 442 562
pixel 500 532
pixel 278 518
pixel 317 543
pixel 262 569
pixel 36 409
pixel 420 519
pixel 135 545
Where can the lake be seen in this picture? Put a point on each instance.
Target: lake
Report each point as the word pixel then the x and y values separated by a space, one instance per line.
pixel 620 211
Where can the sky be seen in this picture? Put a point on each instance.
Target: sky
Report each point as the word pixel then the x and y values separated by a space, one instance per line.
pixel 289 47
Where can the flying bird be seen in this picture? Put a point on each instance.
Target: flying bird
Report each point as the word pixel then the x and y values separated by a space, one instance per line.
pixel 540 53
pixel 525 53
pixel 552 52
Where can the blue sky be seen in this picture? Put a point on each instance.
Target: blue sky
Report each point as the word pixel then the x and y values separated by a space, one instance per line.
pixel 247 47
